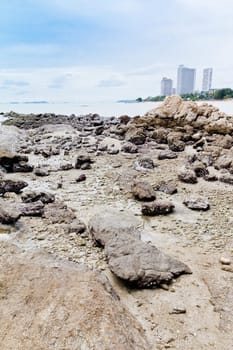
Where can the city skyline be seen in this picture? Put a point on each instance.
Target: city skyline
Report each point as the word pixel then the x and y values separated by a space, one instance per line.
pixel 81 51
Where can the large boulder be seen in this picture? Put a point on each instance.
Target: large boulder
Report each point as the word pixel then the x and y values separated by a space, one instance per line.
pixel 140 264
pixel 62 306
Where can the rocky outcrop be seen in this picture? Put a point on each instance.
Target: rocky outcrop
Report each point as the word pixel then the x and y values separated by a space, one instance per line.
pixel 62 306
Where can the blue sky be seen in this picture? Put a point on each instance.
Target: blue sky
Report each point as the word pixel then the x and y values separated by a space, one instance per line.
pixel 80 50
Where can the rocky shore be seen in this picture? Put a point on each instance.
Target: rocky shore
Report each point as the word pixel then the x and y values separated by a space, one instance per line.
pixel 116 233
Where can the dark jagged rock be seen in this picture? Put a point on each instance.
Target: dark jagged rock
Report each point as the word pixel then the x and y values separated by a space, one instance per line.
pixel 144 163
pixel 136 136
pixel 157 208
pixel 33 196
pixel 15 163
pixel 143 191
pixel 197 204
pixel 81 178
pixel 83 162
pixel 11 186
pixel 22 167
pixel 200 169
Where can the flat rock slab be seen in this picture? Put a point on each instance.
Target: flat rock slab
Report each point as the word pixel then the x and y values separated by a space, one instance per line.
pixel 137 263
pixel 106 225
pixel 141 264
pixel 51 305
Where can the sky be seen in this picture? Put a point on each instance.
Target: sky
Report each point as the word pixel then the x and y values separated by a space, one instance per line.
pixel 103 50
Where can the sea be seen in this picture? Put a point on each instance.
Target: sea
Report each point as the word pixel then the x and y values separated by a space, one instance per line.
pixel 105 109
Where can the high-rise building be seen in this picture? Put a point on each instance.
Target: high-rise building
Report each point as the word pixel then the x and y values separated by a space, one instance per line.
pixel 166 87
pixel 185 80
pixel 207 79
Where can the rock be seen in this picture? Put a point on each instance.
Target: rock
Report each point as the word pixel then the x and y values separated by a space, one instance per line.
pixel 34 196
pixel 178 310
pixel 113 150
pixel 106 225
pixel 58 213
pixel 8 215
pixel 15 163
pixel 129 147
pixel 11 186
pixel 83 162
pixel 144 163
pixel 226 178
pixel 187 175
pixel 66 166
pixel 157 208
pixel 223 162
pixel 210 177
pixel 166 187
pixel 224 261
pixel 143 191
pixel 124 119
pixel 200 169
pixel 22 167
pixel 33 209
pixel 135 135
pixel 140 264
pixel 160 135
pixel 41 171
pixel 167 154
pixel 81 178
pixel 77 226
pixel 62 306
pixel 197 204
pixel 176 145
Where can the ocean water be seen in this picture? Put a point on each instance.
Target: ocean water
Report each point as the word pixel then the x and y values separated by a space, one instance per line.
pixel 106 109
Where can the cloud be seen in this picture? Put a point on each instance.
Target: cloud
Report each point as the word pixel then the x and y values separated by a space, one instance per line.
pixel 60 81
pixel 15 83
pixel 111 83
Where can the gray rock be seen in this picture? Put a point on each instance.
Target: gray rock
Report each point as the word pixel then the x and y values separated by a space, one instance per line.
pixel 33 196
pixel 136 136
pixel 129 147
pixel 144 163
pixel 83 162
pixel 197 204
pixel 11 186
pixel 8 215
pixel 157 208
pixel 106 225
pixel 143 191
pixel 167 154
pixel 166 187
pixel 187 175
pixel 226 178
pixel 41 171
pixel 141 264
pixel 33 209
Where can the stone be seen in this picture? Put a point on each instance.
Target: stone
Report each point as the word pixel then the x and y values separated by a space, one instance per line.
pixel 58 213
pixel 11 186
pixel 178 310
pixel 66 166
pixel 187 175
pixel 41 171
pixel 200 169
pixel 166 187
pixel 224 261
pixel 33 209
pixel 226 178
pixel 157 208
pixel 144 163
pixel 129 147
pixel 197 204
pixel 106 225
pixel 83 162
pixel 22 167
pixel 8 214
pixel 34 196
pixel 167 154
pixel 135 135
pixel 143 191
pixel 62 306
pixel 140 264
pixel 81 178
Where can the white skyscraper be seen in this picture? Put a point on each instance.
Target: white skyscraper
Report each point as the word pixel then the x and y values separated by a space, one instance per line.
pixel 185 80
pixel 166 87
pixel 207 79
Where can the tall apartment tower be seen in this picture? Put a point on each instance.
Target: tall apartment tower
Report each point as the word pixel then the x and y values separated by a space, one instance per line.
pixel 166 87
pixel 207 79
pixel 185 80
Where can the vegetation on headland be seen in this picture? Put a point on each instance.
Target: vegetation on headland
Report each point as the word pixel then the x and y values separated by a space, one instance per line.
pixel 220 94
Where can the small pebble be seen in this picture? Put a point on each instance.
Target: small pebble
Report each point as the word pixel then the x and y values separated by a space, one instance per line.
pixel 224 261
pixel 178 310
